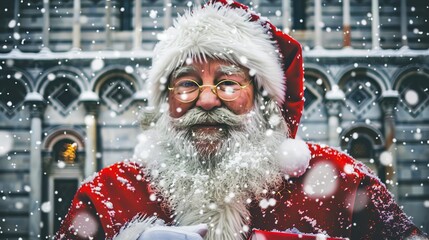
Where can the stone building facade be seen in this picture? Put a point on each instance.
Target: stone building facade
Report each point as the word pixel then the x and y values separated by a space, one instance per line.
pixel 73 80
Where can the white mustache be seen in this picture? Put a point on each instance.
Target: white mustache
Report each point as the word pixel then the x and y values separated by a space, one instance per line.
pixel 196 116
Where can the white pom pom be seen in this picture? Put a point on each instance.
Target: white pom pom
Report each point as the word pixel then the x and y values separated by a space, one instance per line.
pixel 293 157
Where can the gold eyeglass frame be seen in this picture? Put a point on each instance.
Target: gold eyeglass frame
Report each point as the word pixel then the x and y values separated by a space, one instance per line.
pixel 213 88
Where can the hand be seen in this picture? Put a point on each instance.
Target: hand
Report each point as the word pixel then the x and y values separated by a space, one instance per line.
pixel 194 232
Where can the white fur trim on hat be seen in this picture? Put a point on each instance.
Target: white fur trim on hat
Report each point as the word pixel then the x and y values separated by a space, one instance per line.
pixel 293 157
pixel 216 31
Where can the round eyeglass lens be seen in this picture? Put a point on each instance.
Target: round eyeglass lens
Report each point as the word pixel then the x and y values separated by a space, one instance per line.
pixel 228 90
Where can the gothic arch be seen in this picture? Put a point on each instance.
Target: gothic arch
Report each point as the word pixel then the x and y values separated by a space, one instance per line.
pixel 369 131
pixel 61 87
pixel 57 134
pixel 15 86
pixel 412 83
pixel 317 84
pixel 115 69
pixel 116 88
pixel 319 72
pixel 365 143
pixel 20 75
pixel 381 79
pixel 362 88
pixel 402 73
pixel 71 73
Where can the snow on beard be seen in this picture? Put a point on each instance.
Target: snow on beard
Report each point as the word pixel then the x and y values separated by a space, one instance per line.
pixel 239 167
pixel 210 142
pixel 242 166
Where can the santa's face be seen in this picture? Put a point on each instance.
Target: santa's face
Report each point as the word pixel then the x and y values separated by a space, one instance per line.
pixel 209 86
pixel 209 74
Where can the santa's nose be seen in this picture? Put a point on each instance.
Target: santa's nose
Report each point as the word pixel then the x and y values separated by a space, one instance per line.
pixel 208 100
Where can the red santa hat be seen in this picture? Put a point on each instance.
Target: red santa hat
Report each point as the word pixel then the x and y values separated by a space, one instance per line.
pixel 228 30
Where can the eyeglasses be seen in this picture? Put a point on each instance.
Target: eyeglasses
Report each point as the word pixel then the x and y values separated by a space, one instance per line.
pixel 187 90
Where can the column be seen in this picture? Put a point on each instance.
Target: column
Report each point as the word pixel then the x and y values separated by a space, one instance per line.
pixel 404 23
pixel 388 102
pixel 167 14
pixel 46 25
pixel 317 24
pixel 334 100
pixel 375 25
pixel 346 24
pixel 76 25
pixel 90 101
pixel 36 105
pixel 137 25
pixel 108 21
pixel 286 16
pixel 16 26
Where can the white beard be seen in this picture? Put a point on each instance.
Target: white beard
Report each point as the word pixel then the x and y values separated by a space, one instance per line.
pixel 213 188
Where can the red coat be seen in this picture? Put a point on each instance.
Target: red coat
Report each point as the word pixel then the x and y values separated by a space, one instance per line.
pixel 360 207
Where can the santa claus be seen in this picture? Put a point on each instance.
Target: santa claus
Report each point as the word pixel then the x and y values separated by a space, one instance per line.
pixel 217 158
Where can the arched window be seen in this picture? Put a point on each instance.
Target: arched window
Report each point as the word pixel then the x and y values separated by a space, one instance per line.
pixel 63 94
pixel 364 144
pixel 361 148
pixel 315 89
pixel 12 94
pixel 64 160
pixel 116 91
pixel 414 93
pixel 65 151
pixel 361 93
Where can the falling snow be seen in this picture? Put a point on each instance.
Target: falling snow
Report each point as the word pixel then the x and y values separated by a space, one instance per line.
pixel 83 79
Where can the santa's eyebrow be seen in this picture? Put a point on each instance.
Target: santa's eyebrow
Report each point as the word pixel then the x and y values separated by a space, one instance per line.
pixel 183 70
pixel 230 70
